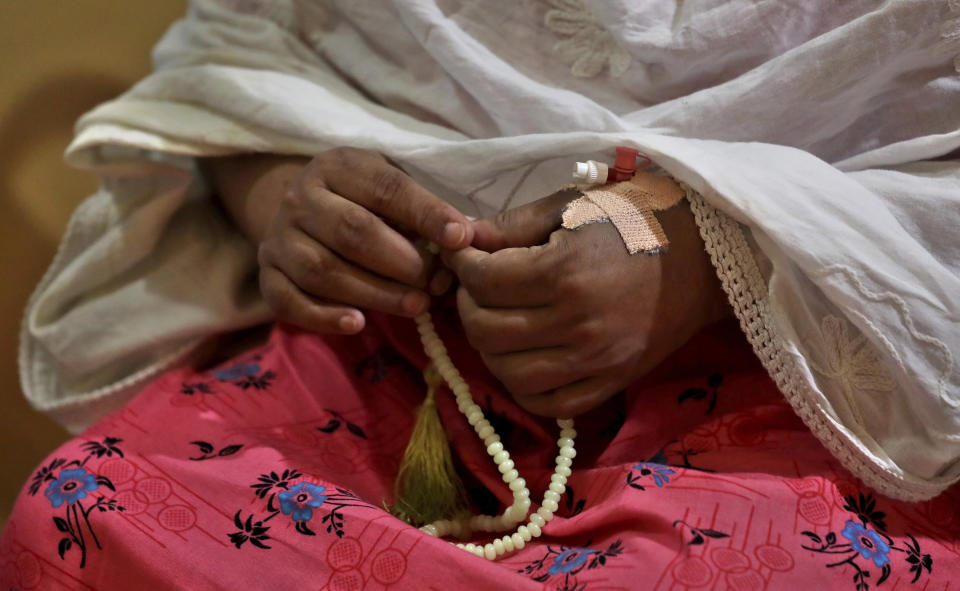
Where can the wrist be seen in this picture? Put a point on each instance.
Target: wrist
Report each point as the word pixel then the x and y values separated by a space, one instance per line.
pixel 251 186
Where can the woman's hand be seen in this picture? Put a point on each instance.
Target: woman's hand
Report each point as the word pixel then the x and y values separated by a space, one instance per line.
pixel 335 234
pixel 567 323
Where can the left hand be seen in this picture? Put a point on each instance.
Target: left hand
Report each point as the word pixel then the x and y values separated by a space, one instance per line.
pixel 566 324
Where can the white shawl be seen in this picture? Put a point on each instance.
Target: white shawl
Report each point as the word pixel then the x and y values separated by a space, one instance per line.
pixel 816 139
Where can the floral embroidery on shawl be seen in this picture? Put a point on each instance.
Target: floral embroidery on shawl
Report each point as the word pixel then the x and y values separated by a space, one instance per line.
pixel 592 46
pixel 850 360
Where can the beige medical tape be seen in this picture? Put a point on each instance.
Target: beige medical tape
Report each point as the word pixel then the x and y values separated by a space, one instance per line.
pixel 629 206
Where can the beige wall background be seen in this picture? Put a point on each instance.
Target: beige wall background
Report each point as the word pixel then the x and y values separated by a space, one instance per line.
pixel 58 59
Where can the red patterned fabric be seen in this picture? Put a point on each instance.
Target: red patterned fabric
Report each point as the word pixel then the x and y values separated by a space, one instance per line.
pixel 270 472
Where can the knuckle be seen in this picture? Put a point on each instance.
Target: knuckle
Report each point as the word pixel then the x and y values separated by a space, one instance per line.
pixel 389 186
pixel 264 256
pixel 476 275
pixel 513 384
pixel 589 354
pixel 576 316
pixel 505 219
pixel 620 359
pixel 570 285
pixel 428 218
pixel 341 156
pixel 478 338
pixel 318 265
pixel 497 367
pixel 586 332
pixel 355 228
pixel 334 160
pixel 292 197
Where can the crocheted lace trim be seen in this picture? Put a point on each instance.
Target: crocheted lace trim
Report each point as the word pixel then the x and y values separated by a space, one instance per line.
pixel 747 291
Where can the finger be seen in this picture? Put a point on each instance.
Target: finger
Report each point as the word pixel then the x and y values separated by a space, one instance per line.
pixel 369 180
pixel 571 400
pixel 361 237
pixel 511 278
pixel 535 371
pixel 507 330
pixel 441 281
pixel 293 306
pixel 524 226
pixel 323 274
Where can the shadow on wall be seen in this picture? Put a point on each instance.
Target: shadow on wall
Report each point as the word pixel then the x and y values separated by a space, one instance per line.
pixel 40 121
pixel 38 198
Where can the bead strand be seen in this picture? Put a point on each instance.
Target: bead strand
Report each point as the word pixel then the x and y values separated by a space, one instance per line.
pixel 518 511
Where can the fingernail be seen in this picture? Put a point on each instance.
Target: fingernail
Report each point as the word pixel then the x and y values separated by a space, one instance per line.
pixel 415 302
pixel 350 323
pixel 453 233
pixel 441 282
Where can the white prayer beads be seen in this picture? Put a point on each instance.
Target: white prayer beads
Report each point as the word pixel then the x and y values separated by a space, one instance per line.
pixel 520 508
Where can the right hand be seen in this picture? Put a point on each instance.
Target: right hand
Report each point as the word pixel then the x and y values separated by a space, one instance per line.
pixel 335 245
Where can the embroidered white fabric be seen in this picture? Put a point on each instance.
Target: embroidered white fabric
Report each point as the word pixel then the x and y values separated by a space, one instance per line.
pixel 839 170
pixel 746 289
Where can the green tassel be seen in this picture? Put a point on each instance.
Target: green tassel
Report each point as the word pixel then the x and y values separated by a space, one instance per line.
pixel 428 487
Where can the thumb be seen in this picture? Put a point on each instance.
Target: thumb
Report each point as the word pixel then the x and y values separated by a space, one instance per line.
pixel 524 226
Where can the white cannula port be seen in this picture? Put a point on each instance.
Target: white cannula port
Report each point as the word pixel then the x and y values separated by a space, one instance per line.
pixel 590 171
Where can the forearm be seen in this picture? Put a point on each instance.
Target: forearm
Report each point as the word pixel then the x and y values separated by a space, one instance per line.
pixel 251 186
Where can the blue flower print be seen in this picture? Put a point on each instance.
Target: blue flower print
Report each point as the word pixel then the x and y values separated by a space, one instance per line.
pixel 70 487
pixel 867 542
pixel 236 372
pixel 300 501
pixel 661 474
pixel 569 559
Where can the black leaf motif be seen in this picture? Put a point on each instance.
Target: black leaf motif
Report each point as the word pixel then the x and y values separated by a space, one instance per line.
pixel 831 539
pixel 204 446
pixel 230 450
pixel 64 545
pixel 256 542
pixel 712 533
pixel 103 480
pixel 692 394
pixel 697 540
pixel 237 539
pixel 884 574
pixel 812 536
pixel 865 507
pixel 356 430
pixel 61 524
pixel 330 427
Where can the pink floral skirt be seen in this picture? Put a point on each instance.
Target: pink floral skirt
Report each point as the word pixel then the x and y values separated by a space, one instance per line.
pixel 271 471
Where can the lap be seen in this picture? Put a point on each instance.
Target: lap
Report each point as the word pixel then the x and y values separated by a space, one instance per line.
pixel 698 476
